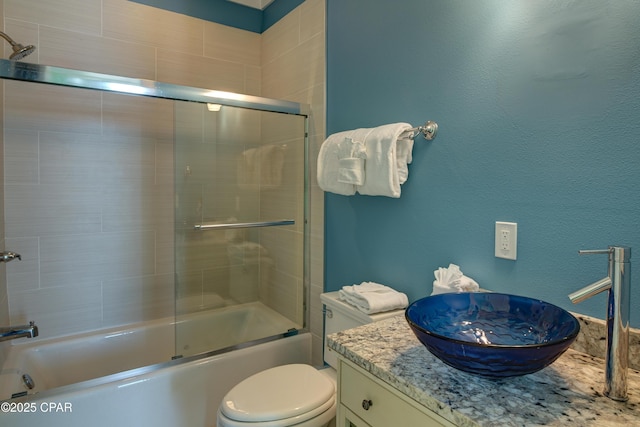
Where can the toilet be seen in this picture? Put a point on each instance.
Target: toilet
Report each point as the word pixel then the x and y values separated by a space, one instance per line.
pixel 295 395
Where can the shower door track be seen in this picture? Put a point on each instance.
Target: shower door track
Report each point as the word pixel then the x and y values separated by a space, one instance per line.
pixel 48 74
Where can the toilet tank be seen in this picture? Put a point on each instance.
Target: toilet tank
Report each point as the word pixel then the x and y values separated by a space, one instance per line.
pixel 340 316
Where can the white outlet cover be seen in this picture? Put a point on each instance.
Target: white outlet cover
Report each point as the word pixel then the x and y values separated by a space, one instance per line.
pixel 506 240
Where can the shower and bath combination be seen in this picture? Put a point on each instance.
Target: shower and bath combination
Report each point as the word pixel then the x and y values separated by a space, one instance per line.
pixel 19 51
pixel 269 263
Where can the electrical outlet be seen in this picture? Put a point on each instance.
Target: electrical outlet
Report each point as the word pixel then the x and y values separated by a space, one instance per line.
pixel 506 244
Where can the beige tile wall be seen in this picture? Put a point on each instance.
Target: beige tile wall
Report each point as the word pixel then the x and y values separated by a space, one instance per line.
pixel 89 179
pixel 4 297
pixel 293 67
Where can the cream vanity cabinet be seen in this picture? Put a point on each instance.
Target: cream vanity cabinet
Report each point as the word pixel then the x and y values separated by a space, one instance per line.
pixel 366 401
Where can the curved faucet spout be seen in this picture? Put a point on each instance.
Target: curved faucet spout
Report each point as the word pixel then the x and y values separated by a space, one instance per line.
pixel 23 331
pixel 590 290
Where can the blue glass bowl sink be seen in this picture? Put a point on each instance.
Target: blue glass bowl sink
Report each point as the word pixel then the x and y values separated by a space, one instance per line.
pixel 491 334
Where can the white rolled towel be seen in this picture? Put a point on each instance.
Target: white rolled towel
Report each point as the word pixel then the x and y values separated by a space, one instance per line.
pixel 371 297
pixel 451 279
pixel 388 157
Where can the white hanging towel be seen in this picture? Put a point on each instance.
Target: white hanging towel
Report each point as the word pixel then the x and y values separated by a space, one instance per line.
pixel 387 160
pixel 370 161
pixel 341 162
pixel 370 297
pixel 260 167
pixel 351 161
pixel 271 165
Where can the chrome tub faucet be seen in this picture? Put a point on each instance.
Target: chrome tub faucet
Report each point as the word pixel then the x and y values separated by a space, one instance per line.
pixel 9 256
pixel 617 282
pixel 13 332
pixel 23 331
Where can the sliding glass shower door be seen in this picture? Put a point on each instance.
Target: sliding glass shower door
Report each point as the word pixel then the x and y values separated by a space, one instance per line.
pixel 239 232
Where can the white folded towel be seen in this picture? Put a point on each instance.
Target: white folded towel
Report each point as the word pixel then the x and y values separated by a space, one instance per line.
pixel 329 165
pixel 451 279
pixel 404 157
pixel 342 168
pixel 248 169
pixel 351 171
pixel 271 165
pixel 261 167
pixel 352 155
pixel 370 297
pixel 387 160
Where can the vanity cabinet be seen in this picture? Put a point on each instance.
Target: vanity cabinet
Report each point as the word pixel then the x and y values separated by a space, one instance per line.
pixel 366 401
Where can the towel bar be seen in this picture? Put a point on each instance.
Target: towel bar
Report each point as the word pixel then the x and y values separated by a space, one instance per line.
pixel 429 130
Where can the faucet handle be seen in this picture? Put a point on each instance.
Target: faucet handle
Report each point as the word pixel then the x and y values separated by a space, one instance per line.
pixel 616 253
pixel 595 251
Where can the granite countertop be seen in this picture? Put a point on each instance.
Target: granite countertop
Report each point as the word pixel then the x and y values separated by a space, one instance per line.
pixel 568 392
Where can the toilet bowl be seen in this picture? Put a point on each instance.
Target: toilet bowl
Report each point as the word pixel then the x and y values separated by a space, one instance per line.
pixel 294 395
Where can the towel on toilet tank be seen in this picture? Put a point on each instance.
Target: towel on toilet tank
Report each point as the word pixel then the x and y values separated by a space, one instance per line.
pixel 451 279
pixel 371 297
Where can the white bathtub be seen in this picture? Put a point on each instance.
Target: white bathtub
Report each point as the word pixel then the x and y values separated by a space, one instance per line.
pixel 233 325
pixel 77 385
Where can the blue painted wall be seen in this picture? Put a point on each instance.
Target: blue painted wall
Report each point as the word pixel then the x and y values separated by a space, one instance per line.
pixel 228 13
pixel 539 111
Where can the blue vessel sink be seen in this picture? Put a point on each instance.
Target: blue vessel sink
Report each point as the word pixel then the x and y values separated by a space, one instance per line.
pixel 492 334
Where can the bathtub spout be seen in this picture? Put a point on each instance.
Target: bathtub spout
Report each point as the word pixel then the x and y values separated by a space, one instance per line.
pixel 23 331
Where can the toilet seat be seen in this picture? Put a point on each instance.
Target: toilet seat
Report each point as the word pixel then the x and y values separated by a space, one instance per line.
pixel 311 419
pixel 281 396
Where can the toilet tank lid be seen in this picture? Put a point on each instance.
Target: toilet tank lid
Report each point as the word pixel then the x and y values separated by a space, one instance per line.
pixel 278 393
pixel 333 301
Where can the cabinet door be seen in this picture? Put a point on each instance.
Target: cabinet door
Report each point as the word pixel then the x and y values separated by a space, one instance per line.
pixel 378 404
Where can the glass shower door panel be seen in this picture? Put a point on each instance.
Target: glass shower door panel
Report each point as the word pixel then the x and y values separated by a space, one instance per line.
pixel 239 235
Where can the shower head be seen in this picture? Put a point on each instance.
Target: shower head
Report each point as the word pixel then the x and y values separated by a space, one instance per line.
pixel 19 51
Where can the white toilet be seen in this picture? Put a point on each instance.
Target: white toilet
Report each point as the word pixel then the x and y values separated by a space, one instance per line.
pixel 294 395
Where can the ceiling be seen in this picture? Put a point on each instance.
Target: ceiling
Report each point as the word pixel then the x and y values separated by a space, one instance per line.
pixel 256 4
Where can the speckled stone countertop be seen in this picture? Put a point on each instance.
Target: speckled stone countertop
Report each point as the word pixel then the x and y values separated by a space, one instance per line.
pixel 568 392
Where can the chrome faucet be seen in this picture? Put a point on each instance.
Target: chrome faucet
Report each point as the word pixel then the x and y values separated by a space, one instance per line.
pixel 9 256
pixel 23 331
pixel 617 283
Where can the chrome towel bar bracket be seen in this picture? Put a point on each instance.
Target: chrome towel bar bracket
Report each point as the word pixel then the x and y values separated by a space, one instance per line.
pixel 429 131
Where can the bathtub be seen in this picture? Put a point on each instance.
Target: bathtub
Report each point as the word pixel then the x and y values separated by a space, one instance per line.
pixel 125 376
